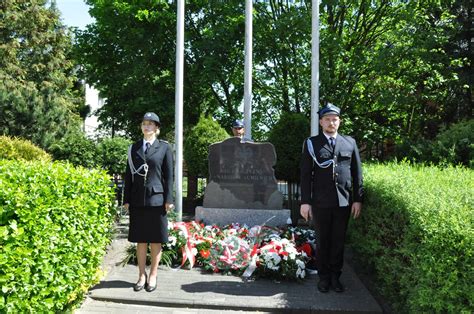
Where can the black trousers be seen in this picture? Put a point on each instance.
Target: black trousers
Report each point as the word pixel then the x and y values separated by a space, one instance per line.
pixel 331 226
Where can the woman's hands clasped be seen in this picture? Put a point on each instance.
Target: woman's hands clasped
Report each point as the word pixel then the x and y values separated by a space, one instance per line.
pixel 169 207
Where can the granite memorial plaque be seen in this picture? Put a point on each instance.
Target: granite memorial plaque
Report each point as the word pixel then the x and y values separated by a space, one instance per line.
pixel 241 175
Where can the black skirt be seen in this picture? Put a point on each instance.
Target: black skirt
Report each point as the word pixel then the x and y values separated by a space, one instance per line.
pixel 148 225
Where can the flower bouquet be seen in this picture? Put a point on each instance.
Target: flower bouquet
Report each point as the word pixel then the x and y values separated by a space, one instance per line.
pixel 260 251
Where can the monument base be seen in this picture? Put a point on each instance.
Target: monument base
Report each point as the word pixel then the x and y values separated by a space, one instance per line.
pixel 250 217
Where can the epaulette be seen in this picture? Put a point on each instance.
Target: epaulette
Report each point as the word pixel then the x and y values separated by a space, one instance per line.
pixel 163 141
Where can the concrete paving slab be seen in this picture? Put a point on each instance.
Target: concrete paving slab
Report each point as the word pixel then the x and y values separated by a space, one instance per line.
pixel 201 290
pixel 197 291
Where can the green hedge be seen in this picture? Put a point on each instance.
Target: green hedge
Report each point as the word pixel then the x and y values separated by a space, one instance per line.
pixel 20 149
pixel 54 227
pixel 416 232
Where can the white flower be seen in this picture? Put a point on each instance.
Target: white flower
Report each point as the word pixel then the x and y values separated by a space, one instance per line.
pixel 172 241
pixel 300 273
pixel 254 231
pixel 300 264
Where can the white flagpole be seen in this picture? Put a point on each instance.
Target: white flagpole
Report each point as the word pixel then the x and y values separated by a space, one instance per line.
pixel 314 67
pixel 179 109
pixel 248 70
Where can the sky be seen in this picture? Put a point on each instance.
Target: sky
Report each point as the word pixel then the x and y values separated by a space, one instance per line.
pixel 74 13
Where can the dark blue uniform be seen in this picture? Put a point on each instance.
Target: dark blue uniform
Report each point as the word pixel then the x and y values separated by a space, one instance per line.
pixel 331 191
pixel 147 195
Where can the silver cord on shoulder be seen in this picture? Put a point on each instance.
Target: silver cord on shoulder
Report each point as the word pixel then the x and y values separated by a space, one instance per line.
pixel 134 170
pixel 324 164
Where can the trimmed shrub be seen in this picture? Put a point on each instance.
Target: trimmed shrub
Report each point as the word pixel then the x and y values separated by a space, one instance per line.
pixel 20 149
pixel 76 148
pixel 112 153
pixel 197 142
pixel 416 232
pixel 55 224
pixel 288 136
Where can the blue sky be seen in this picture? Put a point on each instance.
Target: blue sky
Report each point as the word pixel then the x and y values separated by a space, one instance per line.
pixel 74 13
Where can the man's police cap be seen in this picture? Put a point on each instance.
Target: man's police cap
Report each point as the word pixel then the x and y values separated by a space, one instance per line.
pixel 329 109
pixel 151 116
pixel 237 124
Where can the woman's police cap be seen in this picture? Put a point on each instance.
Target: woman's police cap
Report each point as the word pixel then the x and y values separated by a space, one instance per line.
pixel 151 116
pixel 329 109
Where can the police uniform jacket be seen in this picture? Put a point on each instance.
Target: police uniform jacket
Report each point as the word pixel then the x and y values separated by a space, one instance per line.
pixel 323 188
pixel 157 188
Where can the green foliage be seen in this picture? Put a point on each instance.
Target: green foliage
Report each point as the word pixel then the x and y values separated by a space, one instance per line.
pixel 37 101
pixel 197 142
pixel 455 145
pixel 54 227
pixel 19 149
pixel 169 257
pixel 112 154
pixel 416 233
pixel 76 148
pixel 398 69
pixel 287 136
pixel 132 82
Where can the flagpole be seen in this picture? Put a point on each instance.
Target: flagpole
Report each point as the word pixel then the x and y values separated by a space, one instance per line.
pixel 314 67
pixel 248 69
pixel 179 109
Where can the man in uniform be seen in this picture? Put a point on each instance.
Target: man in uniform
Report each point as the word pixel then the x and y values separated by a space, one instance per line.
pixel 331 190
pixel 238 128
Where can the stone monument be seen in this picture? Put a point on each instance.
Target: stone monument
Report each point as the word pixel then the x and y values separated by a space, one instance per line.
pixel 242 186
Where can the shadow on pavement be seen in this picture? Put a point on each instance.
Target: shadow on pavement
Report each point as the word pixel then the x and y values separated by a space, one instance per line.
pixel 112 284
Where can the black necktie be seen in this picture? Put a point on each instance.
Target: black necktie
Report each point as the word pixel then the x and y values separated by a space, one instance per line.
pixel 147 147
pixel 332 142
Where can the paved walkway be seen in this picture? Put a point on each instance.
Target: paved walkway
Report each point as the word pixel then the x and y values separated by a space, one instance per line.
pixel 195 291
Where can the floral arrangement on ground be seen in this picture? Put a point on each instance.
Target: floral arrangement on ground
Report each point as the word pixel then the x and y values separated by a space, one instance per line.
pixel 260 251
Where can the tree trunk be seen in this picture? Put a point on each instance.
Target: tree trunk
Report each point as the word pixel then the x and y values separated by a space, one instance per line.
pixel 192 187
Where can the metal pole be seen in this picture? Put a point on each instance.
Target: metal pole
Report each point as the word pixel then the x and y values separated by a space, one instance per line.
pixel 178 119
pixel 248 70
pixel 314 67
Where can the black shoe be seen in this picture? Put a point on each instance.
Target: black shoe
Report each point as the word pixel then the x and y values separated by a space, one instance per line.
pixel 139 287
pixel 336 284
pixel 323 285
pixel 149 288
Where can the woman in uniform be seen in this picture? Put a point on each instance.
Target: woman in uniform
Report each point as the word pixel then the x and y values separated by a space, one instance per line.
pixel 148 196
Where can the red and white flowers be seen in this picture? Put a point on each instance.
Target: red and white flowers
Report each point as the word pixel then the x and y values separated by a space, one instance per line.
pixel 260 251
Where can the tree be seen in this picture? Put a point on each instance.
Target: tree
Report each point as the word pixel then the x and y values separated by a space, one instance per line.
pixel 396 68
pixel 129 55
pixel 36 97
pixel 282 42
pixel 215 33
pixel 287 136
pixel 196 149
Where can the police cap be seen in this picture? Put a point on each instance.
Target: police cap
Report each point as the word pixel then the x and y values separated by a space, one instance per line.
pixel 329 109
pixel 151 116
pixel 237 124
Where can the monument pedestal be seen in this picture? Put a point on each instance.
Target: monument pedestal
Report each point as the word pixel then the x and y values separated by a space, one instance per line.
pixel 250 217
